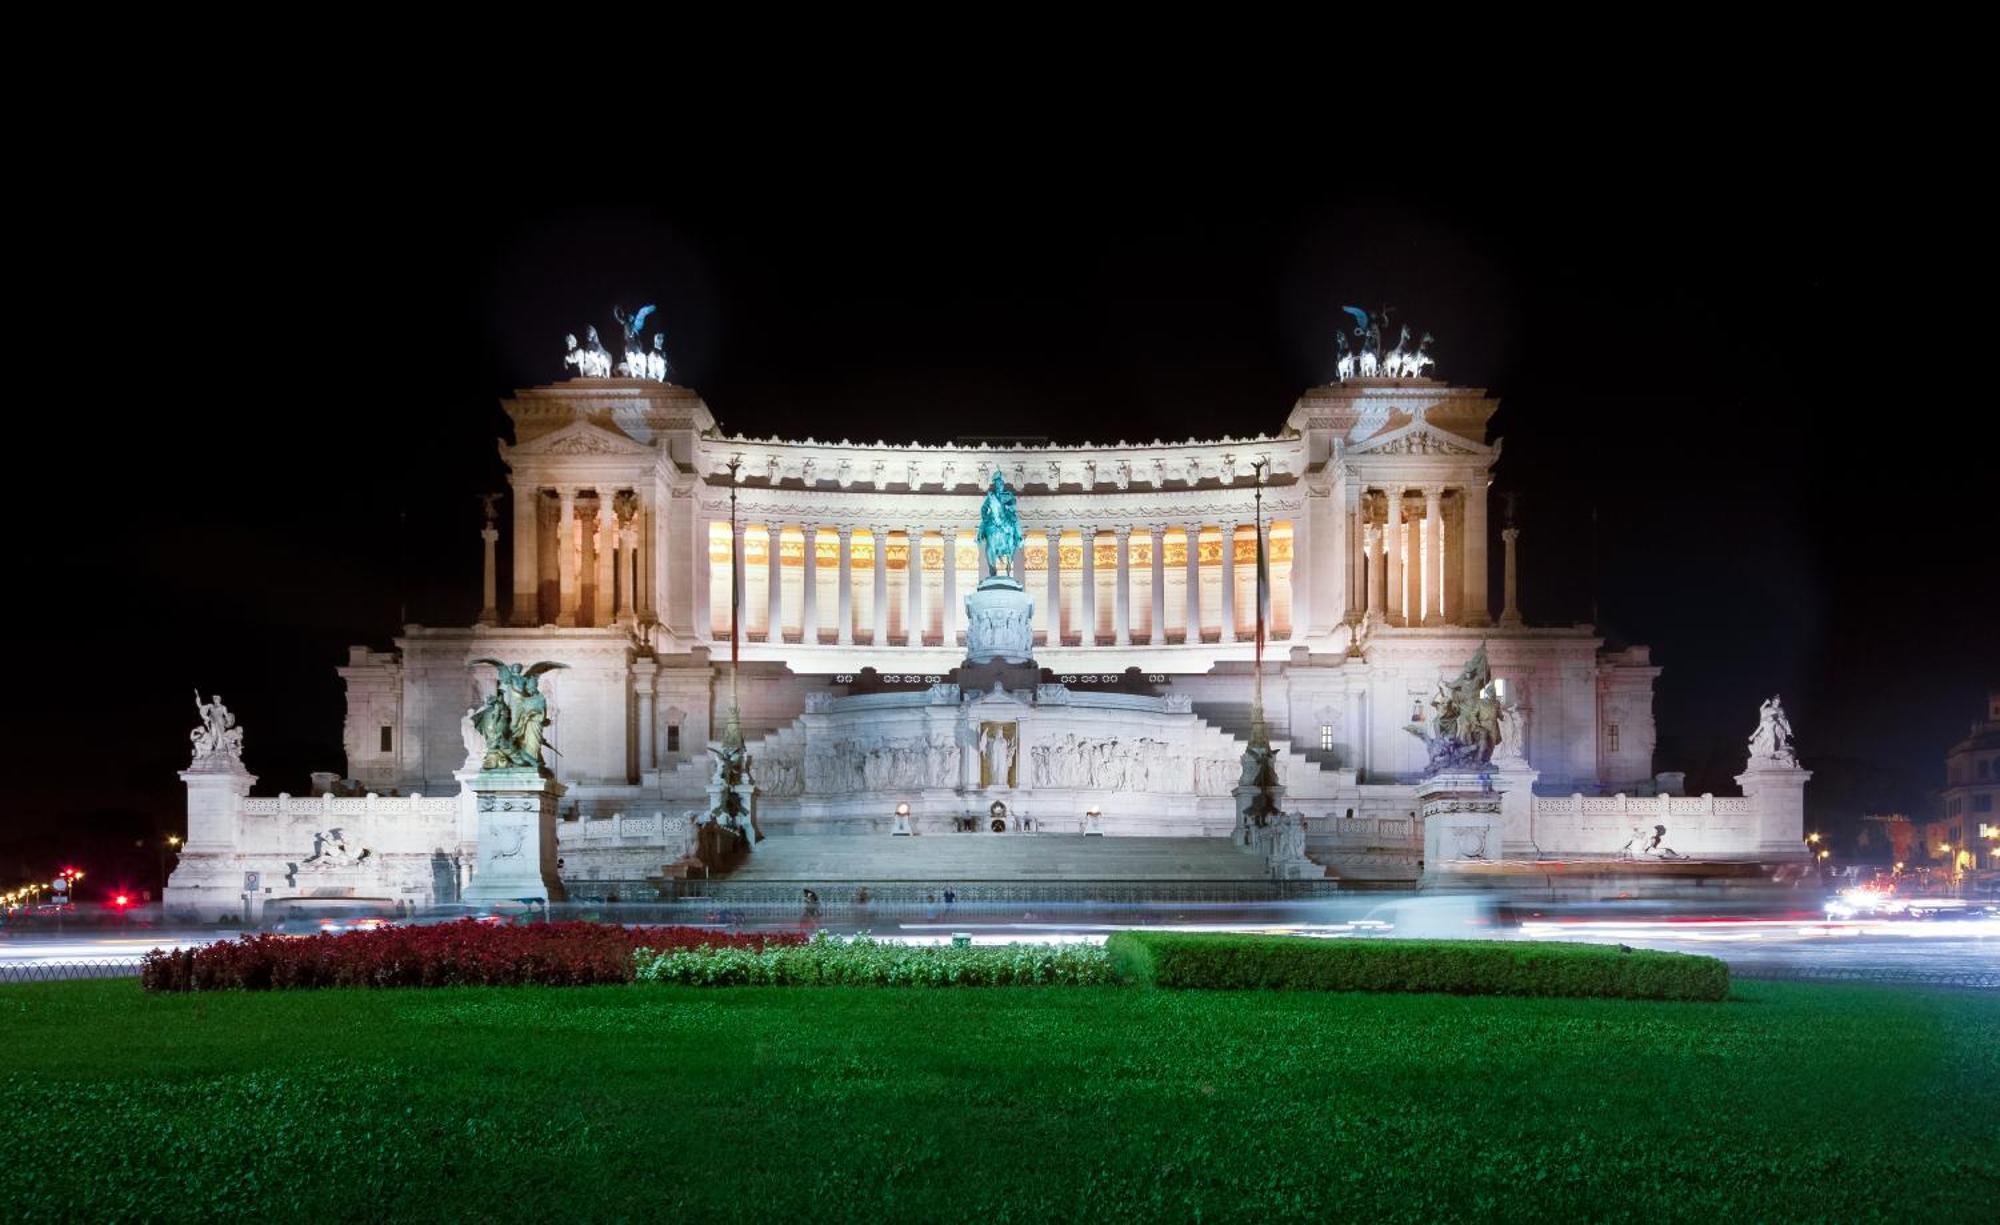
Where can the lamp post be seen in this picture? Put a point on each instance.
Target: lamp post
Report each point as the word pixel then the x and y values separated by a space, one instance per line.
pixel 172 842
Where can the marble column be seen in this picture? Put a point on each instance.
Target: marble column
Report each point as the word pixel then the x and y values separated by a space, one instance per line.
pixel 701 579
pixel 628 544
pixel 567 545
pixel 809 589
pixel 948 615
pixel 1510 614
pixel 774 626
pixel 1087 589
pixel 1392 556
pixel 1228 582
pixel 1433 555
pixel 489 611
pixel 1193 635
pixel 604 543
pixel 1477 606
pixel 1054 615
pixel 646 524
pixel 845 586
pixel 914 589
pixel 1298 575
pixel 1372 542
pixel 644 672
pixel 1121 591
pixel 526 609
pixel 1158 636
pixel 1359 555
pixel 878 635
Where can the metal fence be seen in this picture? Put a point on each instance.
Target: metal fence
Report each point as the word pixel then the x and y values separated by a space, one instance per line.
pixel 65 971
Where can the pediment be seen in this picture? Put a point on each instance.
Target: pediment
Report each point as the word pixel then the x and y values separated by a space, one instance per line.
pixel 1419 437
pixel 582 438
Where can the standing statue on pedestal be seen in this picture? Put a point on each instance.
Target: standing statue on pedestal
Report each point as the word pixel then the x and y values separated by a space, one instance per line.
pixel 657 366
pixel 514 720
pixel 1772 741
pixel 999 528
pixel 218 742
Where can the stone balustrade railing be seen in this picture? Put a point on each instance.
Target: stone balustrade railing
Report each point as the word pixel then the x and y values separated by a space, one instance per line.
pixel 1704 805
pixel 651 828
pixel 1362 831
pixel 1695 825
pixel 331 806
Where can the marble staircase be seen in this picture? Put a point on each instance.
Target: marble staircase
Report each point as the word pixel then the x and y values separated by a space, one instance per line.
pixel 1233 720
pixel 994 868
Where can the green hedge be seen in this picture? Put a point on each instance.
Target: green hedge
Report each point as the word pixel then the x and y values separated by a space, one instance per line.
pixel 1456 967
pixel 828 961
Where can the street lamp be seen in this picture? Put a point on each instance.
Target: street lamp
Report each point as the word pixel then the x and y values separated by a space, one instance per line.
pixel 1813 839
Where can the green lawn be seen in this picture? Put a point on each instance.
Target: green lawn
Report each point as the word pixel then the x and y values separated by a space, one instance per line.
pixel 809 1104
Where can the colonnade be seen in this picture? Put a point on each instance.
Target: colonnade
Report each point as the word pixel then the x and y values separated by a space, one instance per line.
pixel 852 585
pixel 582 557
pixel 1418 555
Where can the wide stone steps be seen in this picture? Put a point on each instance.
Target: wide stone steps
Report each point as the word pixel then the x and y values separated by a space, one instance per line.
pixel 810 858
pixel 1233 720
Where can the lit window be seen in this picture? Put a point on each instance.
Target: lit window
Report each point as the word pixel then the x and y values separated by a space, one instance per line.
pixel 1326 736
pixel 388 739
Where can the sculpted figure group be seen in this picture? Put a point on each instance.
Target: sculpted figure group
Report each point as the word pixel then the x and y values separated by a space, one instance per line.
pixel 594 361
pixel 217 739
pixel 1401 362
pixel 1465 719
pixel 514 719
pixel 1772 741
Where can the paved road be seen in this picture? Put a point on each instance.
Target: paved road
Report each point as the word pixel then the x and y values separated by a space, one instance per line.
pixel 1959 951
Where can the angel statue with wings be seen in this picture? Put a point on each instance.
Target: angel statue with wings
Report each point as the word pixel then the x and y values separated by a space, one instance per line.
pixel 514 719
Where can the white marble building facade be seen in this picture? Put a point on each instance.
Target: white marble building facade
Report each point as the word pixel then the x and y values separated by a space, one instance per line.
pixel 855 556
pixel 854 560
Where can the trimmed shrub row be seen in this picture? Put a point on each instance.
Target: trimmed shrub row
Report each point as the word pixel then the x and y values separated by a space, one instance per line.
pixel 1456 967
pixel 831 961
pixel 466 953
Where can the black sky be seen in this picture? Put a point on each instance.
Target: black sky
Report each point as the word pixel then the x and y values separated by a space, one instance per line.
pixel 1737 411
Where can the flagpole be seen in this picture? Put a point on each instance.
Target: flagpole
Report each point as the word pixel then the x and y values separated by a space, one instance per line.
pixel 735 596
pixel 1257 692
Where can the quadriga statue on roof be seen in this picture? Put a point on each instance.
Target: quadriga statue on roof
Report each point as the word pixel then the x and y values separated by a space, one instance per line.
pixel 999 527
pixel 514 719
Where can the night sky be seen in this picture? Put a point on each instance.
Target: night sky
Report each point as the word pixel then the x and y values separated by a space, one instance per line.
pixel 1740 418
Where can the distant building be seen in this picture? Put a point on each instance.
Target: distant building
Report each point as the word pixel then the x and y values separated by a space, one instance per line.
pixel 1971 824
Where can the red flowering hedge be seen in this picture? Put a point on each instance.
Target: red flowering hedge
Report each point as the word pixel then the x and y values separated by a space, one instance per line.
pixel 462 954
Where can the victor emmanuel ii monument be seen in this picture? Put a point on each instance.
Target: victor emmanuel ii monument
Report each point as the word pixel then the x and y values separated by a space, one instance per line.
pixel 969 641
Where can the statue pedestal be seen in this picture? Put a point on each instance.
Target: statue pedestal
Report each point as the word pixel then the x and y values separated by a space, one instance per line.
pixel 902 827
pixel 1778 790
pixel 516 837
pixel 1462 826
pixel 1517 809
pixel 999 622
